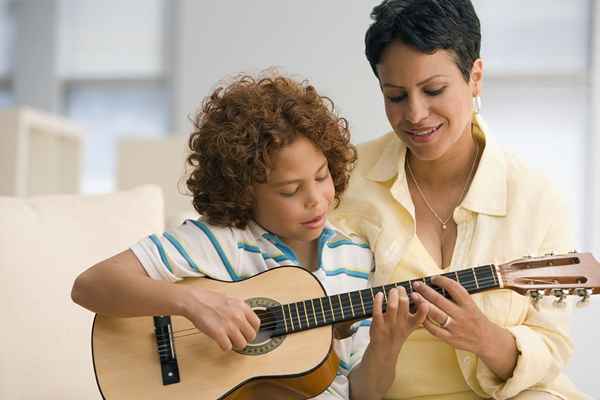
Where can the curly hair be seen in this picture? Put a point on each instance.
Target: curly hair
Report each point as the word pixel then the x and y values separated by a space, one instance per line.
pixel 238 130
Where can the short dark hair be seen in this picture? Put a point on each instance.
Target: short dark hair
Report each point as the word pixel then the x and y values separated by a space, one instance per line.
pixel 428 26
pixel 240 127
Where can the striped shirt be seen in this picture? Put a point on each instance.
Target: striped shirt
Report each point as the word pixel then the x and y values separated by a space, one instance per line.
pixel 197 249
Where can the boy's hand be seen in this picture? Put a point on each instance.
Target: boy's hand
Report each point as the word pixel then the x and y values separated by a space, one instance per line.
pixel 389 330
pixel 228 321
pixel 388 333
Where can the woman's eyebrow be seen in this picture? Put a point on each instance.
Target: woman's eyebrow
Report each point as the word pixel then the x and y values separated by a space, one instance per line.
pixel 424 81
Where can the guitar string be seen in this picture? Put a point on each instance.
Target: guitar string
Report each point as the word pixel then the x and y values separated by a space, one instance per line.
pixel 492 278
pixel 271 320
pixel 478 282
pixel 267 323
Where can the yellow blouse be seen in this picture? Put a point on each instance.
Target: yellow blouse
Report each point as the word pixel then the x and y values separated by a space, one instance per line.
pixel 509 211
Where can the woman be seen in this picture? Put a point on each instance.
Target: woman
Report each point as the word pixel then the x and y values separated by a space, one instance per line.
pixel 437 194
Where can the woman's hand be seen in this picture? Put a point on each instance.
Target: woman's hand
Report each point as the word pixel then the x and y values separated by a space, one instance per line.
pixel 461 324
pixel 374 375
pixel 228 321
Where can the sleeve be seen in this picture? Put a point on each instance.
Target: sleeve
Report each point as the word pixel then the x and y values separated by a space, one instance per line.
pixel 193 249
pixel 543 338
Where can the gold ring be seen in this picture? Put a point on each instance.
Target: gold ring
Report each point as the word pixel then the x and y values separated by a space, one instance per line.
pixel 446 322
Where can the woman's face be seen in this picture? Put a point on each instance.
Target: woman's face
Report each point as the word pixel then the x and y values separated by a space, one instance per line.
pixel 427 100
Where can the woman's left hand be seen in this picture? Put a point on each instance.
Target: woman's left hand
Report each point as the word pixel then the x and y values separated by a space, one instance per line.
pixel 460 323
pixel 457 321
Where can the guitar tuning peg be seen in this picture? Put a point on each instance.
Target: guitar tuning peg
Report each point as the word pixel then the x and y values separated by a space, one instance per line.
pixel 584 295
pixel 535 296
pixel 549 254
pixel 560 297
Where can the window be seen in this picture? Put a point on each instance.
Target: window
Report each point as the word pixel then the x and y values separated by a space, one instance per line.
pixel 107 111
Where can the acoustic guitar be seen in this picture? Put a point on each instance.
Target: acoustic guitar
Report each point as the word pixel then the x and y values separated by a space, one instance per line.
pixel 166 357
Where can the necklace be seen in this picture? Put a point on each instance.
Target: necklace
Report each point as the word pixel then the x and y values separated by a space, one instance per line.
pixel 444 222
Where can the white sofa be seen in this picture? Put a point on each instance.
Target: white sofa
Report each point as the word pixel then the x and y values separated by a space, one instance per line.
pixel 46 242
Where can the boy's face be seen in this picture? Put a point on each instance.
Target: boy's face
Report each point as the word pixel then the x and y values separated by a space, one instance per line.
pixel 293 204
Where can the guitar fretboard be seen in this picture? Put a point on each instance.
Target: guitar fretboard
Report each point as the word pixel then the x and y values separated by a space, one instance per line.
pixel 356 305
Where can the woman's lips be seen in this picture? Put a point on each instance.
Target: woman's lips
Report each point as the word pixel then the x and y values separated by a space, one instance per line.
pixel 423 135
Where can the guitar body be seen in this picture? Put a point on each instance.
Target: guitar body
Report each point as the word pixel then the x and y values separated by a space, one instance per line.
pixel 299 365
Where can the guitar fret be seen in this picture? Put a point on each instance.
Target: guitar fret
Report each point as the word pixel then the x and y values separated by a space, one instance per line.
pixel 312 302
pixel 331 308
pixel 351 306
pixel 341 306
pixel 298 316
pixel 362 303
pixel 284 321
pixel 291 319
pixel 356 303
pixel 306 314
pixel 475 277
pixel 323 310
pixel 327 305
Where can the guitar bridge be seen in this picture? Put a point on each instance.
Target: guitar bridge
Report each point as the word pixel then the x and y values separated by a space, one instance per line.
pixel 166 349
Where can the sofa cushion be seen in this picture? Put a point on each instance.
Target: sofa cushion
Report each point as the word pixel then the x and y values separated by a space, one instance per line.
pixel 46 241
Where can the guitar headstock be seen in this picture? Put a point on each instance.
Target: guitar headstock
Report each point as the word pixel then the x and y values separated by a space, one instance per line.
pixel 558 275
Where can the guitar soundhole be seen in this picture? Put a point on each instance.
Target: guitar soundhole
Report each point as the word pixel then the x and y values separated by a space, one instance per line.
pixel 264 341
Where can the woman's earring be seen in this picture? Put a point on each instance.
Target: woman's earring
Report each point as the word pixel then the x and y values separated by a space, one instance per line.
pixel 476 104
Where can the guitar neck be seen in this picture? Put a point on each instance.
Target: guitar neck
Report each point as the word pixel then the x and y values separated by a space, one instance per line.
pixel 355 305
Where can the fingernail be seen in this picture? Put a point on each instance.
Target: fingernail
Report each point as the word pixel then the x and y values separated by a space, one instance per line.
pixel 416 284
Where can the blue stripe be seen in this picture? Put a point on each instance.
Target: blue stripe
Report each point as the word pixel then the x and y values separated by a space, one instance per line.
pixel 348 242
pixel 248 247
pixel 357 325
pixel 218 248
pixel 287 252
pixel 323 238
pixel 257 250
pixel 344 365
pixel 278 258
pixel 354 274
pixel 161 252
pixel 181 250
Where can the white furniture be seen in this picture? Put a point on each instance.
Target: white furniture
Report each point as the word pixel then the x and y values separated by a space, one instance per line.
pixel 158 161
pixel 39 153
pixel 46 242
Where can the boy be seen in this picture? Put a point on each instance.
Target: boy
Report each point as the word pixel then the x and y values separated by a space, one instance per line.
pixel 269 159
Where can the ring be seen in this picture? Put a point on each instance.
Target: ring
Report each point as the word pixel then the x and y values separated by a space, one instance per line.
pixel 446 322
